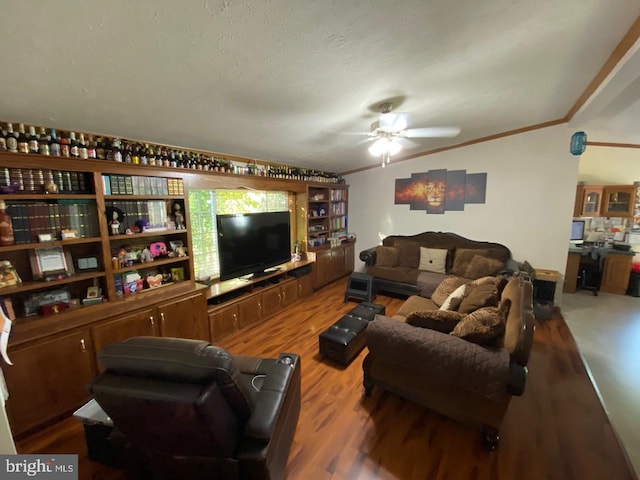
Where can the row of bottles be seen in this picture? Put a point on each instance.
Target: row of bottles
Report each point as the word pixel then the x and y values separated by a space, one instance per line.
pixel 68 144
pixel 38 180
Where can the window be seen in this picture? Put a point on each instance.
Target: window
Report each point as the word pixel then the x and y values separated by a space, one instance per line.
pixel 203 207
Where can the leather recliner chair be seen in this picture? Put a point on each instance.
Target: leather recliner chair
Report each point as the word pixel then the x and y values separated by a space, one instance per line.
pixel 186 409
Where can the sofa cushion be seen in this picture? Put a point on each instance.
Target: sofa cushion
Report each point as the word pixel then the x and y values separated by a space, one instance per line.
pixel 479 296
pixel 397 274
pixel 484 325
pixel 462 258
pixel 446 288
pixel 481 266
pixel 453 301
pixel 409 253
pixel 387 256
pixel 415 303
pixel 433 259
pixel 441 320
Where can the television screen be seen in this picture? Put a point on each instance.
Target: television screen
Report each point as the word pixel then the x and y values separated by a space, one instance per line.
pixel 252 242
pixel 577 231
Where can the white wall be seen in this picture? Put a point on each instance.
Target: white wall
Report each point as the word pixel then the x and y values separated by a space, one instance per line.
pixel 609 166
pixel 531 181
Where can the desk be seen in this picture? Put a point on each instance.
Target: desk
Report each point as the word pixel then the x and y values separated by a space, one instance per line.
pixel 616 269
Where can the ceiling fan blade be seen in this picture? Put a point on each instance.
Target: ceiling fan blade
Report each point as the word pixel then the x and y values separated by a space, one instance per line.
pixel 392 122
pixel 431 132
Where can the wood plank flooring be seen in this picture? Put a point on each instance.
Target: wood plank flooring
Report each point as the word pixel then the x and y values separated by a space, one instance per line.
pixel 557 430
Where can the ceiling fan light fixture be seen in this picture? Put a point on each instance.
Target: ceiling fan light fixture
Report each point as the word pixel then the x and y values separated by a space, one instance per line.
pixel 385 145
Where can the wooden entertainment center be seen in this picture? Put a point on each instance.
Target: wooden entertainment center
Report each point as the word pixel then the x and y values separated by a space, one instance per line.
pixel 54 354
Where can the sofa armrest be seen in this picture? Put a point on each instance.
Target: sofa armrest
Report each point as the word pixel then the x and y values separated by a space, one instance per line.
pixel 484 370
pixel 368 256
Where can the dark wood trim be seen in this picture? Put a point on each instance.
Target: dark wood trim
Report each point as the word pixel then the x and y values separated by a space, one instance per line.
pixel 630 38
pixel 613 145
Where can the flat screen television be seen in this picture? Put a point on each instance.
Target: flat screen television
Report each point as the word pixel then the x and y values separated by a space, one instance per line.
pixel 250 243
pixel 577 232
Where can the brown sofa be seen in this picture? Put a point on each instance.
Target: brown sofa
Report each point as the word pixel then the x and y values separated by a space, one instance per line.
pixel 462 380
pixel 395 265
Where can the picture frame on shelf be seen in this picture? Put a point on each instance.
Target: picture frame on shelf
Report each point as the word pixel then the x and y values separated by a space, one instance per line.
pixel 49 263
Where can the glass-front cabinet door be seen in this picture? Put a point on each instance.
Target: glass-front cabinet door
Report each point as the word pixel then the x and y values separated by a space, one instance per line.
pixel 619 201
pixel 591 201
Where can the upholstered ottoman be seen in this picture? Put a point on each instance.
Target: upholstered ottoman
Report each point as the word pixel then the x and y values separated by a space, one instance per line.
pixel 344 339
pixel 367 310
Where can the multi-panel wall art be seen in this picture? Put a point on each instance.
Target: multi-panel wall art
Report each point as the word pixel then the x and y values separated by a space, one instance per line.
pixel 437 191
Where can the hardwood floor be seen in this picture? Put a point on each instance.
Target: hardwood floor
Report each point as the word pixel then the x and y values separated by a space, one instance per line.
pixel 556 430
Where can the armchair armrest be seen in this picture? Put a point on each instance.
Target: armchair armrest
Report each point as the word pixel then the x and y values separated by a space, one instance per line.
pixel 368 256
pixel 484 370
pixel 271 397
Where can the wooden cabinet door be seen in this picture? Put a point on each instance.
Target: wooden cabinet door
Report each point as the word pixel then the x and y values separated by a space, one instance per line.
pixel 185 318
pixel 142 323
pixel 271 301
pixel 48 379
pixel 591 201
pixel 223 322
pixel 305 286
pixel 619 201
pixel 349 257
pixel 616 274
pixel 249 311
pixel 289 292
pixel 337 263
pixel 322 268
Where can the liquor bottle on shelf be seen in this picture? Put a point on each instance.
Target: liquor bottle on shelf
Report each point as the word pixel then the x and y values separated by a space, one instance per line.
pixel 115 148
pixel 135 154
pixel 12 139
pixel 33 140
pixel 65 149
pixel 6 228
pixel 43 143
pixel 142 153
pixel 3 140
pixel 101 153
pixel 23 140
pixel 74 150
pixel 151 156
pixel 126 153
pixel 83 152
pixel 92 148
pixel 54 144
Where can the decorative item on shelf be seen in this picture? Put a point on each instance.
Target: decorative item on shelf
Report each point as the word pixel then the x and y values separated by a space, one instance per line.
pixel 177 274
pixel 8 275
pixel 131 283
pixel 33 303
pixel 154 281
pixel 158 249
pixel 45 237
pixel 177 210
pixel 51 187
pixel 114 217
pixel 87 264
pixel 50 263
pixel 145 255
pixel 94 295
pixel 177 249
pixel 68 233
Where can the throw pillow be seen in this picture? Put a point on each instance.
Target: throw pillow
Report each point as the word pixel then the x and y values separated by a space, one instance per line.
pixel 462 258
pixel 387 256
pixel 478 296
pixel 482 326
pixel 441 320
pixel 409 253
pixel 482 266
pixel 453 301
pixel 433 259
pixel 446 288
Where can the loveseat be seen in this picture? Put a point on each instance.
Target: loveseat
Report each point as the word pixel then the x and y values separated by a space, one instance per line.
pixel 416 264
pixel 466 368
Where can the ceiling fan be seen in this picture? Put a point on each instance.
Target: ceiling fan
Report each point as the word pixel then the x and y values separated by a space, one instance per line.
pixel 391 126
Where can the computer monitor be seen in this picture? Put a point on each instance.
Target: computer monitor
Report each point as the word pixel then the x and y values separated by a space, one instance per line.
pixel 577 232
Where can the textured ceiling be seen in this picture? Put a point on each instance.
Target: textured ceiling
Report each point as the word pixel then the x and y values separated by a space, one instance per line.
pixel 289 80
